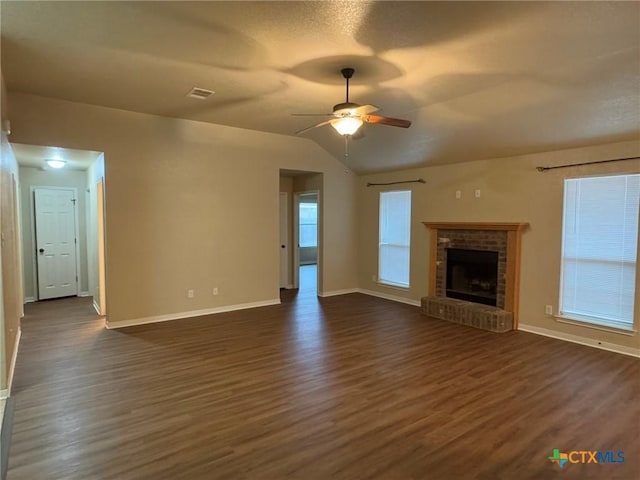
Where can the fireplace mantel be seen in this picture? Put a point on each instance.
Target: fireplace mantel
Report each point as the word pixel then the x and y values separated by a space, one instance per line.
pixel 518 227
pixel 513 233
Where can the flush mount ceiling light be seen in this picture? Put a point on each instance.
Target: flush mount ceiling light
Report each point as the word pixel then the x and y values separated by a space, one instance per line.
pixel 56 163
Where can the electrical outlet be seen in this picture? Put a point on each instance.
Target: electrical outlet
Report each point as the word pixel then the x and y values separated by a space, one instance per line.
pixel 478 193
pixel 548 309
pixel 458 194
pixel 215 290
pixel 373 278
pixel 190 293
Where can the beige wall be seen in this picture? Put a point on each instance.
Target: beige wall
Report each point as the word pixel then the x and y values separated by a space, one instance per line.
pixel 3 363
pixel 191 205
pixel 11 307
pixel 511 191
pixel 94 175
pixel 36 177
pixel 10 261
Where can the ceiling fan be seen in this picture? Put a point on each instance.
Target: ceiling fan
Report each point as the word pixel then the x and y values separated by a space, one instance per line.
pixel 348 117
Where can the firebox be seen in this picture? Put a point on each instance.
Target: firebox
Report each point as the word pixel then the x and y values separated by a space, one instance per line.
pixel 472 275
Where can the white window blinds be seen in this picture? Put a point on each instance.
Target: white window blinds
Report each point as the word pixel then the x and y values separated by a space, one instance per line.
pixel 395 238
pixel 599 249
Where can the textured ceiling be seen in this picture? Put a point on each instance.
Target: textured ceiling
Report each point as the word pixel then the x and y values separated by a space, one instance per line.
pixel 478 80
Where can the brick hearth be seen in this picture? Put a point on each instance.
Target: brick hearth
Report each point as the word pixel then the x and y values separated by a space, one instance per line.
pixel 472 314
pixel 503 238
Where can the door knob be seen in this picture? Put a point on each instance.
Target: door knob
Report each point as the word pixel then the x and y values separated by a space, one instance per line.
pixel 282 246
pixel 41 250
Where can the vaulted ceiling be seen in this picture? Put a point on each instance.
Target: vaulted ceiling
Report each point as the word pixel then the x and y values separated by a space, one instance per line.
pixel 478 80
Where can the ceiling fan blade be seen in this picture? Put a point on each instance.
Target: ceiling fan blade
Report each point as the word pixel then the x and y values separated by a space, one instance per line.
pixel 327 122
pixel 392 122
pixel 313 114
pixel 366 109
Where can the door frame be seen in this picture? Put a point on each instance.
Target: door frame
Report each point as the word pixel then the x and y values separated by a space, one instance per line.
pixel 296 237
pixel 286 284
pixel 34 237
pixel 101 223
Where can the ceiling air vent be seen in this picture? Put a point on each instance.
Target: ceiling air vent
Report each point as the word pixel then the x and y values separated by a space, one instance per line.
pixel 199 93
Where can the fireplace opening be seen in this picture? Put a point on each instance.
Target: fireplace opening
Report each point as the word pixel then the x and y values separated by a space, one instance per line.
pixel 472 275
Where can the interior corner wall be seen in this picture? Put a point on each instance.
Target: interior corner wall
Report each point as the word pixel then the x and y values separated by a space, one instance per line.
pixel 511 190
pixel 94 175
pixel 11 283
pixel 192 205
pixel 3 162
pixel 36 177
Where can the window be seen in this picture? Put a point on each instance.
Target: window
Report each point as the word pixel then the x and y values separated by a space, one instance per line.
pixel 308 224
pixel 395 238
pixel 599 250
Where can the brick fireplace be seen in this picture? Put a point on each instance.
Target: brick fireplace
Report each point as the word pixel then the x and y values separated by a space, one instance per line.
pixel 485 240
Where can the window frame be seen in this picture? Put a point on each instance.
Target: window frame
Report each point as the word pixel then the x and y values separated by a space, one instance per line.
pixel 379 279
pixel 591 321
pixel 300 224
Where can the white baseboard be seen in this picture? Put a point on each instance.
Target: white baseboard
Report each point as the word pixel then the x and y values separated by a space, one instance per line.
pixel 4 394
pixel 14 357
pixel 83 294
pixel 590 342
pixel 29 299
pixel 386 296
pixel 192 313
pixel 96 307
pixel 333 293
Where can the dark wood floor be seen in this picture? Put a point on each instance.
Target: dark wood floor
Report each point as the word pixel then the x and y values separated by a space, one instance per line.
pixel 348 387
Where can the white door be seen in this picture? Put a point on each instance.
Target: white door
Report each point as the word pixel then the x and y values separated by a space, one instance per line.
pixel 56 242
pixel 284 241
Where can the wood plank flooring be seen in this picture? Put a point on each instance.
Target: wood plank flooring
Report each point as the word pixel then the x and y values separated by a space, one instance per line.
pixel 347 387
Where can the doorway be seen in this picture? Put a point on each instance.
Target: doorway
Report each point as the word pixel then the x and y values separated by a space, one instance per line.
pixel 70 201
pixel 303 247
pixel 306 241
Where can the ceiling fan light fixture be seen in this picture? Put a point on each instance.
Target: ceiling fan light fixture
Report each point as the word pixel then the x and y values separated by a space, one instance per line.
pixel 347 125
pixel 56 163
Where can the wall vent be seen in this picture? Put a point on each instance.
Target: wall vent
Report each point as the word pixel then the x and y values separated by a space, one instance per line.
pixel 199 93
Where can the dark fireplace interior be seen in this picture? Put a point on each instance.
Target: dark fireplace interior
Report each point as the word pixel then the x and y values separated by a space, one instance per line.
pixel 472 275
